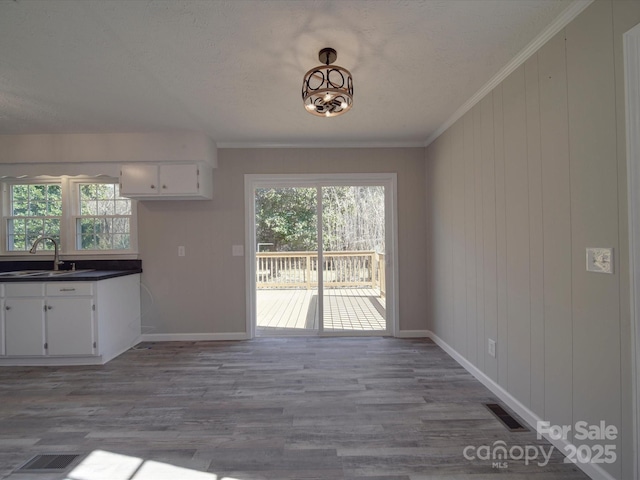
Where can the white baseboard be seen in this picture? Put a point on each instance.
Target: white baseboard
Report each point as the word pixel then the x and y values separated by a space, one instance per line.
pixel 192 337
pixel 413 333
pixel 593 470
pixel 195 337
pixel 50 361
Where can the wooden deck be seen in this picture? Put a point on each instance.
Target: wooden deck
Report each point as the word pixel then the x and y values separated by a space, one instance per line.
pixel 295 311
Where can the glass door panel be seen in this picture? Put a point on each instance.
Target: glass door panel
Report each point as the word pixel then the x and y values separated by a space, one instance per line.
pixel 286 225
pixel 353 259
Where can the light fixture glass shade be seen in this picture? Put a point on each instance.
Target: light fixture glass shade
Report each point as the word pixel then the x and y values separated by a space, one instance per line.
pixel 327 90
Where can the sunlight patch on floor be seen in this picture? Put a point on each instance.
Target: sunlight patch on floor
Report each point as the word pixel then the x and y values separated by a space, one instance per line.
pixel 102 465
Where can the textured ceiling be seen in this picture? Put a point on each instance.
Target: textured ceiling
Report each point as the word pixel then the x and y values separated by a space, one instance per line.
pixel 233 68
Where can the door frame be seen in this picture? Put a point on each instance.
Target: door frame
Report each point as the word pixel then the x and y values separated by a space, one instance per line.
pixel 388 180
pixel 631 47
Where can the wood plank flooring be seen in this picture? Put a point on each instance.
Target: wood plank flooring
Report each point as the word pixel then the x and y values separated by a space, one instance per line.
pixel 295 310
pixel 272 408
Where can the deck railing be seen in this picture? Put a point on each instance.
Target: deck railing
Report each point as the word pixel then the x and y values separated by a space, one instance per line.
pixel 339 269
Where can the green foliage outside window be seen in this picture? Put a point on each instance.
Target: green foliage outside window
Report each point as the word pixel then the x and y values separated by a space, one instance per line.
pixel 353 218
pixel 35 210
pixel 104 223
pixel 286 218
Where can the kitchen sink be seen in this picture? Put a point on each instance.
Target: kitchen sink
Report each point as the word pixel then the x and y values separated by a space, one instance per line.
pixel 20 273
pixel 41 273
pixel 58 273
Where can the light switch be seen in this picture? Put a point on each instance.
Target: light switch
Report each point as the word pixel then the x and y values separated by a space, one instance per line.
pixel 492 348
pixel 181 251
pixel 600 260
pixel 237 250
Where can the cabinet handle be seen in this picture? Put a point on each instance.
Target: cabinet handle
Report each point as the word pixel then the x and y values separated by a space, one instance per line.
pixel 67 289
pixel 164 186
pixel 49 307
pixel 7 307
pixel 153 186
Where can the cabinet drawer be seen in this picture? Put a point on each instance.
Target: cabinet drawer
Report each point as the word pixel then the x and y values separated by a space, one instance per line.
pixel 24 289
pixel 61 289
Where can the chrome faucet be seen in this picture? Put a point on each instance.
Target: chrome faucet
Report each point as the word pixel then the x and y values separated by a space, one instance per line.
pixel 56 257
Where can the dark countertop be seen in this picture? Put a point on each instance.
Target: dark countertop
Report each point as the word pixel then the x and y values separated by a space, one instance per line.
pixel 101 270
pixel 92 276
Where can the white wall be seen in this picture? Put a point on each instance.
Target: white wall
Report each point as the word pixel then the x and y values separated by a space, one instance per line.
pixel 204 292
pixel 516 190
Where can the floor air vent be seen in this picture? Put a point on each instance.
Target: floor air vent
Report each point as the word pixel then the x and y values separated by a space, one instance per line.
pixel 48 463
pixel 505 417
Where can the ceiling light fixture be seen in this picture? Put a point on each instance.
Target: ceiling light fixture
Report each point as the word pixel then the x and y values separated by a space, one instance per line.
pixel 327 90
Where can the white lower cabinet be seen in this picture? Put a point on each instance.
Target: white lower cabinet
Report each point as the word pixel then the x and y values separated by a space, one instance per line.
pixel 40 322
pixel 48 319
pixel 24 326
pixel 70 328
pixel 69 322
pixel 2 326
pixel 24 319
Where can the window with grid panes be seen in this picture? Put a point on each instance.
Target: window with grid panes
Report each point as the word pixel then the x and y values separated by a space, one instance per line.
pixel 34 210
pixel 104 220
pixel 83 215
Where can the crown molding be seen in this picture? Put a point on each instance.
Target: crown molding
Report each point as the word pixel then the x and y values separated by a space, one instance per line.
pixel 361 144
pixel 561 21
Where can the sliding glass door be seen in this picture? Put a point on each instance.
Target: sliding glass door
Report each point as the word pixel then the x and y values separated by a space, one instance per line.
pixel 320 256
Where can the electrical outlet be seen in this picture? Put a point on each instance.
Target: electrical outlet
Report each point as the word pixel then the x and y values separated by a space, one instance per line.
pixel 492 348
pixel 181 252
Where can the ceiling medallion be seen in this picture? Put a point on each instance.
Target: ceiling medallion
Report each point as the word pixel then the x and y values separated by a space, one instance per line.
pixel 327 90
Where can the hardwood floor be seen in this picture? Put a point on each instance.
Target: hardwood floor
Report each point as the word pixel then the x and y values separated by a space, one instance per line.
pixel 272 408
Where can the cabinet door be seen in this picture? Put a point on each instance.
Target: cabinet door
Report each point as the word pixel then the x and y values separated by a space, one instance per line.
pixel 139 179
pixel 2 328
pixel 70 329
pixel 24 326
pixel 179 179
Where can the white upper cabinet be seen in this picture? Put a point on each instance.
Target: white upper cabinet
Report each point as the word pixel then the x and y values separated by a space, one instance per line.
pixel 179 179
pixel 139 179
pixel 174 181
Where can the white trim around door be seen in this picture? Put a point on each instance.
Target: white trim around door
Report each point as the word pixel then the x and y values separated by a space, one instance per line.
pixel 388 180
pixel 632 91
